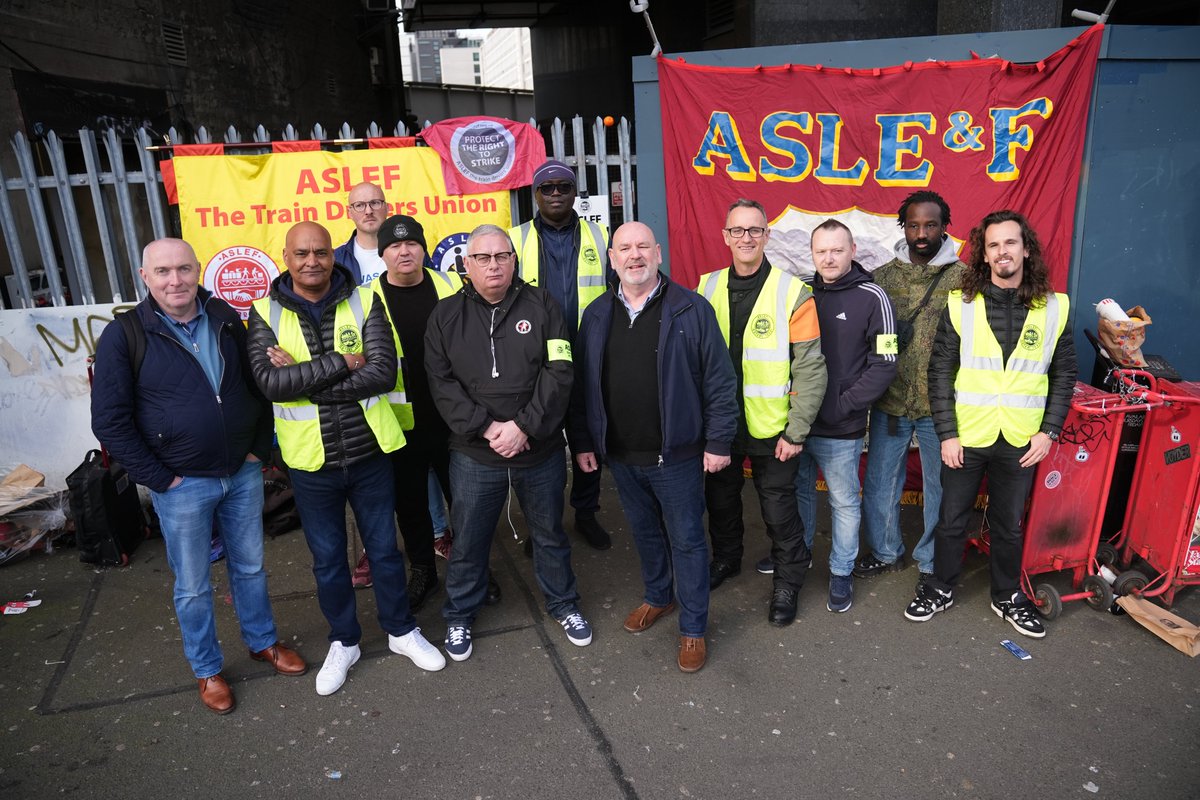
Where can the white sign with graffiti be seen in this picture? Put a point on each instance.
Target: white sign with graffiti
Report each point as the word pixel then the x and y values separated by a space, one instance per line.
pixel 45 409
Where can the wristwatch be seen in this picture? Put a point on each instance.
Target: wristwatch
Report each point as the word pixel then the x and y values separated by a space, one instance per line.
pixel 1052 436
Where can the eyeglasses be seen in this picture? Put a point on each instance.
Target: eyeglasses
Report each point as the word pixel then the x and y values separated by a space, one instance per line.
pixel 361 205
pixel 547 189
pixel 503 258
pixel 737 233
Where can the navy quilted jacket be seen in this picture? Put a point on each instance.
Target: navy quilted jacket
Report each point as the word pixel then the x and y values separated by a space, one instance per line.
pixel 172 423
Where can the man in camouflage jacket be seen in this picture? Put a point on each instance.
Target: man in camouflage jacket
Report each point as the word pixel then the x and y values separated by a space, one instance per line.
pixel 926 254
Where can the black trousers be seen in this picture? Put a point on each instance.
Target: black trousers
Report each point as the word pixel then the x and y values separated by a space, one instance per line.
pixel 775 482
pixel 585 488
pixel 1008 488
pixel 410 469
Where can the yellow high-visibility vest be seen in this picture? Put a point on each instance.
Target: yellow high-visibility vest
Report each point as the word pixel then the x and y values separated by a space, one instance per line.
pixel 992 398
pixel 589 271
pixel 766 347
pixel 297 422
pixel 446 284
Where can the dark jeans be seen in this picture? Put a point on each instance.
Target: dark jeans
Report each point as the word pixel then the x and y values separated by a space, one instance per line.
pixel 666 517
pixel 410 467
pixel 1008 488
pixel 480 492
pixel 775 482
pixel 321 498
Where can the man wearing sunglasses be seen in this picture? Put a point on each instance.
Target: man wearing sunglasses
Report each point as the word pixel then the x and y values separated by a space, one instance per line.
pixel 367 209
pixel 564 255
pixel 769 321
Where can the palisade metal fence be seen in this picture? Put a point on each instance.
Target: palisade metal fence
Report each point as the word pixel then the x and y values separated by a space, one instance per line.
pixel 74 225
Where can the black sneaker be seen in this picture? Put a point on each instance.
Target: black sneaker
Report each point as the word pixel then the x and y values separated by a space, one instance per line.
pixel 928 602
pixel 1021 614
pixel 493 591
pixel 782 610
pixel 871 566
pixel 766 566
pixel 718 571
pixel 422 582
pixel 591 531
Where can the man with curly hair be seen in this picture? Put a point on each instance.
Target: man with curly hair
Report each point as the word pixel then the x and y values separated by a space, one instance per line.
pixel 1000 382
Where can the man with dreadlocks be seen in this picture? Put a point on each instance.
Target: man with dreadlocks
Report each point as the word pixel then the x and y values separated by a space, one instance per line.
pixel 1000 383
pixel 918 281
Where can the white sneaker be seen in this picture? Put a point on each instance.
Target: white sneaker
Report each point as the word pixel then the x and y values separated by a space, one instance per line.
pixel 333 672
pixel 417 649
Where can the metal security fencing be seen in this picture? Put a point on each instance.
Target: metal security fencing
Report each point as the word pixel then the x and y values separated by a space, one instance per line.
pixel 68 212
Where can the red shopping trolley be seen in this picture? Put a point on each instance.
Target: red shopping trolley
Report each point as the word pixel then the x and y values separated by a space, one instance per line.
pixel 1160 541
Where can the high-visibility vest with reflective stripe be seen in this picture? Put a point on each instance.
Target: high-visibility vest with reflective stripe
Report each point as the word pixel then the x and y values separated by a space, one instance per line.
pixel 993 398
pixel 297 422
pixel 766 347
pixel 446 284
pixel 589 272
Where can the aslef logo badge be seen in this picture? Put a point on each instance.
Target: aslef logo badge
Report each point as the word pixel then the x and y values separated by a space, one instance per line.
pixel 449 254
pixel 483 151
pixel 239 276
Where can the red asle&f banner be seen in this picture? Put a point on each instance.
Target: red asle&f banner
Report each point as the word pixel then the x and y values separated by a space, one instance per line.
pixel 810 142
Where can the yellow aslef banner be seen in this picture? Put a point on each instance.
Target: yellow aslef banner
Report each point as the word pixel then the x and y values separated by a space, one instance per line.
pixel 236 210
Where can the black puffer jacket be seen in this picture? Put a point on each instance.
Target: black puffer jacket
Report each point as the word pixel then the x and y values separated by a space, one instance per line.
pixel 1006 317
pixel 325 379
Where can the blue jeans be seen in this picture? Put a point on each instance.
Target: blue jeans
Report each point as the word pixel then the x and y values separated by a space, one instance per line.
pixel 838 460
pixel 186 513
pixel 887 466
pixel 665 509
pixel 480 492
pixel 806 496
pixel 437 507
pixel 321 498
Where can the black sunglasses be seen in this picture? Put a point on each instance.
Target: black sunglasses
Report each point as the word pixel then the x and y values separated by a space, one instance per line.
pixel 547 189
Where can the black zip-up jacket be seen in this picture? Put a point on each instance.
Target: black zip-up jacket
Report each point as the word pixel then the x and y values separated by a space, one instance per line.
pixel 490 363
pixel 856 318
pixel 1006 317
pixel 171 422
pixel 325 379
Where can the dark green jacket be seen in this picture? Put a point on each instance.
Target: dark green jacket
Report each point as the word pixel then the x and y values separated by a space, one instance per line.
pixel 906 284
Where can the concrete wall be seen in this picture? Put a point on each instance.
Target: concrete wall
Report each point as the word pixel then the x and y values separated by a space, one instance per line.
pixel 247 64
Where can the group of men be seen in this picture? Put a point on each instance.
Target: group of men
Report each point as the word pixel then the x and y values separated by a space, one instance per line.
pixel 373 368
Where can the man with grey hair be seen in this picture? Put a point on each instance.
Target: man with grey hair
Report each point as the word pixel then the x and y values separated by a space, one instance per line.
pixel 182 414
pixel 500 371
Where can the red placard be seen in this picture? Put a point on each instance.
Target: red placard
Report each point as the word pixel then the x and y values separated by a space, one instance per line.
pixel 485 154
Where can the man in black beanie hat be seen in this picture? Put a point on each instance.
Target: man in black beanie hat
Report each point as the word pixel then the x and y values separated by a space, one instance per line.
pixel 410 289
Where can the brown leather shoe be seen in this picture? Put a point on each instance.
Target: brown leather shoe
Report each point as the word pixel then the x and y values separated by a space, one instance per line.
pixel 285 660
pixel 692 653
pixel 216 694
pixel 646 615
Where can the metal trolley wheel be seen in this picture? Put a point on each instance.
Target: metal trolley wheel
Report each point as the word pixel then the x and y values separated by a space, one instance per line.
pixel 1130 582
pixel 1100 593
pixel 1106 554
pixel 1047 601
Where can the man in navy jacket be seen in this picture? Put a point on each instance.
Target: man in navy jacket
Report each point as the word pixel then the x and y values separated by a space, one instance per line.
pixel 659 436
pixel 189 424
pixel 858 338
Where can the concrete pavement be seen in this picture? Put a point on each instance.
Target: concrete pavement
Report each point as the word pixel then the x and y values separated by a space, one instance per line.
pixel 97 699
